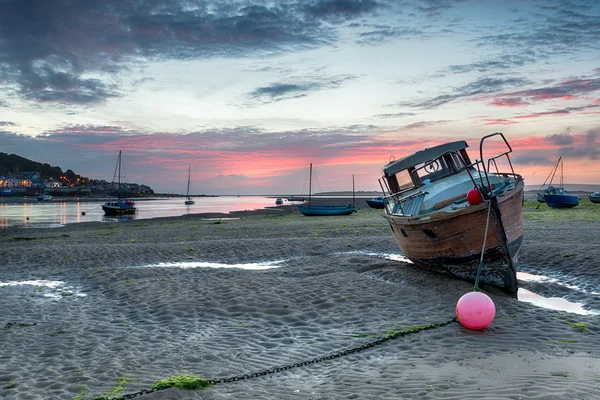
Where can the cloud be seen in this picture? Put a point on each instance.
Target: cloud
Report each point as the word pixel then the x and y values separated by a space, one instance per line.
pixel 340 10
pixel 560 112
pixel 560 28
pixel 7 123
pixel 72 52
pixel 509 102
pixel 561 139
pixel 394 115
pixel 283 91
pixel 476 88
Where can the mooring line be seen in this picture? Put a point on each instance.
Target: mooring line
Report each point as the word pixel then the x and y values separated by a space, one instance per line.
pixel 210 382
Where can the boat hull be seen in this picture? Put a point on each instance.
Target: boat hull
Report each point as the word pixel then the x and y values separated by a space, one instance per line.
pixel 111 210
pixel 375 203
pixel 326 210
pixel 451 242
pixel 561 200
pixel 594 199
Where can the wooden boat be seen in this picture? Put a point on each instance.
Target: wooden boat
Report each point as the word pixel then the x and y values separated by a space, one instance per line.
pixel 376 202
pixel 326 210
pixel 121 206
pixel 438 229
pixel 188 200
pixel 557 197
pixel 594 197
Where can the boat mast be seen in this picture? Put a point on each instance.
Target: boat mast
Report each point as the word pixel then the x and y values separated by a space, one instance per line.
pixel 309 183
pixel 119 181
pixel 353 198
pixel 188 187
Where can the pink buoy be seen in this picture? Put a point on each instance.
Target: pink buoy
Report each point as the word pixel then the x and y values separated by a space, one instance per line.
pixel 473 197
pixel 475 310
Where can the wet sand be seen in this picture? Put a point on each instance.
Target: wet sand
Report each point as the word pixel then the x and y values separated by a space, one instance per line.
pixel 120 320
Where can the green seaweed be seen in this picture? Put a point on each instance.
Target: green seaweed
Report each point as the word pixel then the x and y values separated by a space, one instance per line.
pixel 10 385
pixel 582 326
pixel 183 382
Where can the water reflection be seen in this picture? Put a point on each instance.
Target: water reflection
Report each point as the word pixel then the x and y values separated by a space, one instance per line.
pixel 33 214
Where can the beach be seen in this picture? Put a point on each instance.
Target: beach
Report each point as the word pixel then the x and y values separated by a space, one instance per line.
pixel 116 307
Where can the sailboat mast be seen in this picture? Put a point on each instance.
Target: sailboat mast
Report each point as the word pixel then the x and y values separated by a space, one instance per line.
pixel 353 198
pixel 119 181
pixel 309 183
pixel 188 186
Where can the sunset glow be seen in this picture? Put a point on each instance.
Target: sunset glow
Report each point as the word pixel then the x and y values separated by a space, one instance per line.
pixel 248 94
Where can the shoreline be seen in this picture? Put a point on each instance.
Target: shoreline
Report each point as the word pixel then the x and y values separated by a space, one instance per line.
pixel 122 316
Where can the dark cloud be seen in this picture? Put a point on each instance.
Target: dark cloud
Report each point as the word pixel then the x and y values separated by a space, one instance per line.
pixel 7 123
pixel 504 62
pixel 50 50
pixel 533 157
pixel 283 91
pixel 384 33
pixel 567 90
pixel 477 88
pixel 340 10
pixel 561 139
pixel 436 7
pixel 561 27
pixel 562 111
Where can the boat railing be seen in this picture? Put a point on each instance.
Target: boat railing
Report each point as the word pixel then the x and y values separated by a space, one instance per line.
pixel 406 205
pixel 492 160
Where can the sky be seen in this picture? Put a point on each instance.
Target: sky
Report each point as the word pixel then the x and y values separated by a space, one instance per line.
pixel 248 93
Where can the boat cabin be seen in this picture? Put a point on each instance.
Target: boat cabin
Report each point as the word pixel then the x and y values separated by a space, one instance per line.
pixel 426 166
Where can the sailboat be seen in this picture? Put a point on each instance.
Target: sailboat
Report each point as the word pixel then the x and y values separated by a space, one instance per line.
pixel 310 210
pixel 557 197
pixel 121 206
pixel 188 200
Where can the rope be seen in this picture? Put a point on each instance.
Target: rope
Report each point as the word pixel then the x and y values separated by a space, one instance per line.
pixel 487 222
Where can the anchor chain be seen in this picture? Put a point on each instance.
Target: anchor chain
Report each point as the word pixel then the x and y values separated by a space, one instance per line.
pixel 298 364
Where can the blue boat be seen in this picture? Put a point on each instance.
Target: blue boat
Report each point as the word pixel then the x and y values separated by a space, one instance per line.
pixel 560 198
pixel 557 197
pixel 376 202
pixel 327 210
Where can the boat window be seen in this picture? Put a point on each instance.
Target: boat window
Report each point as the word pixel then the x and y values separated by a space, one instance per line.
pixel 432 171
pixel 404 180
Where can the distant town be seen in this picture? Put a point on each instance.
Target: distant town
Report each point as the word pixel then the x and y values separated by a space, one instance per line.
pixel 20 176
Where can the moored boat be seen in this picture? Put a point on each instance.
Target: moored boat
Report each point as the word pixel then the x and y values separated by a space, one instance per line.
pixel 594 197
pixel 188 201
pixel 376 202
pixel 452 216
pixel 44 197
pixel 121 206
pixel 557 197
pixel 325 210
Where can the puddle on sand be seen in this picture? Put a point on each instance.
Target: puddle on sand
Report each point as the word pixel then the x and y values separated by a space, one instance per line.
pixel 196 264
pixel 58 289
pixel 553 303
pixel 389 256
